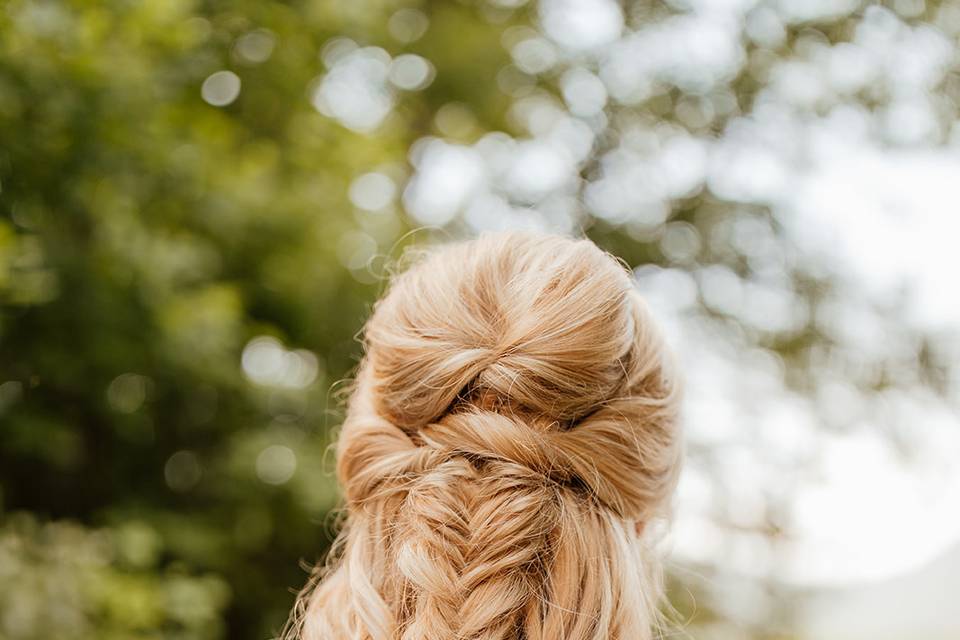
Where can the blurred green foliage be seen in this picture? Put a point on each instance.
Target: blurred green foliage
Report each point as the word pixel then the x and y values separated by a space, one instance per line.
pixel 59 580
pixel 145 237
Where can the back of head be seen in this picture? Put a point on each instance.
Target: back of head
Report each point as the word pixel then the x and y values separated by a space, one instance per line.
pixel 511 430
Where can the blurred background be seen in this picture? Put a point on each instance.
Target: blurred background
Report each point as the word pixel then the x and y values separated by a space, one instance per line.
pixel 200 200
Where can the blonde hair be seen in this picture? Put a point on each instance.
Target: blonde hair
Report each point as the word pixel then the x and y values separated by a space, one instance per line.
pixel 511 429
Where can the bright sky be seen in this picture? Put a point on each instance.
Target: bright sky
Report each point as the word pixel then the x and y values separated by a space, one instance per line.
pixel 886 222
pixel 890 220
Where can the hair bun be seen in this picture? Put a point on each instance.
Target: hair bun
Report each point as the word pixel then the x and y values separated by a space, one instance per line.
pixel 529 349
pixel 539 323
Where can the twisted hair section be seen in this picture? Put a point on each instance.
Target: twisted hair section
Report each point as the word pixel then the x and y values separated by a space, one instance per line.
pixel 512 427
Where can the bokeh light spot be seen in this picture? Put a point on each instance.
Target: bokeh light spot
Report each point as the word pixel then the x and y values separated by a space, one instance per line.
pixel 127 392
pixel 355 91
pixel 581 24
pixel 356 249
pixel 266 361
pixel 255 47
pixel 408 25
pixel 221 88
pixel 411 72
pixel 182 471
pixel 10 393
pixel 276 464
pixel 534 55
pixel 372 191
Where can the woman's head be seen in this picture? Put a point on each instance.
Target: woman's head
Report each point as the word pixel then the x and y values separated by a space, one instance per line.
pixel 511 429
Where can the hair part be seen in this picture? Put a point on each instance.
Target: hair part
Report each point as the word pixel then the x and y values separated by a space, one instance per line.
pixel 512 428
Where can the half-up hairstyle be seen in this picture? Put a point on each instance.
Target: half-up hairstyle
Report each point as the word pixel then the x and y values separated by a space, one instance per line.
pixel 512 428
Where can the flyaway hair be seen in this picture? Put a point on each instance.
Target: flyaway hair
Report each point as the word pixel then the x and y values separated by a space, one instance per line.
pixel 511 429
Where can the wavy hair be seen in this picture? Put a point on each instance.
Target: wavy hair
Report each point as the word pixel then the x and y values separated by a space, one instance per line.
pixel 511 429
